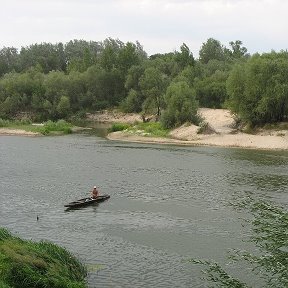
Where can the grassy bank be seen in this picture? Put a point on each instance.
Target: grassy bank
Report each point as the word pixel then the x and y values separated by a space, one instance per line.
pixel 47 128
pixel 151 129
pixel 28 264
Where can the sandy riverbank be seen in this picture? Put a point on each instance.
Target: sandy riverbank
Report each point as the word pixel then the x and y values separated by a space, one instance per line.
pixel 221 121
pixel 19 132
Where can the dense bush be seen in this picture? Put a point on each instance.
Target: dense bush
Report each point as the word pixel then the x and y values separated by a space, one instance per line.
pixel 181 105
pixel 258 89
pixel 59 126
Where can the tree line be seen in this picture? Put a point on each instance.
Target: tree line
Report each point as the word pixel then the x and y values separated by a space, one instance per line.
pixel 54 81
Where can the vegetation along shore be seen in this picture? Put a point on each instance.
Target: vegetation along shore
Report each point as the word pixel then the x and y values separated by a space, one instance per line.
pixel 187 97
pixel 30 264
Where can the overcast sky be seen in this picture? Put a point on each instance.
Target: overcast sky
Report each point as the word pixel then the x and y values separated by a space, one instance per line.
pixel 160 26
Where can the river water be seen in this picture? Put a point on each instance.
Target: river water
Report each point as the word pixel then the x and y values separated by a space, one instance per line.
pixel 168 204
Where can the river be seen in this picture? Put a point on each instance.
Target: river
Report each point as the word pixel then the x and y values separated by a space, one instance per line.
pixel 168 204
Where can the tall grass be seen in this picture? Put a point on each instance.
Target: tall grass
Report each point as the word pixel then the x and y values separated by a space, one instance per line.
pixel 27 264
pixel 152 129
pixel 59 126
pixel 13 123
pixel 49 127
pixel 118 127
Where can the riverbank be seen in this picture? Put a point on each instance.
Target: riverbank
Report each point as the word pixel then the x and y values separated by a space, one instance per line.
pixel 221 133
pixel 19 132
pixel 22 128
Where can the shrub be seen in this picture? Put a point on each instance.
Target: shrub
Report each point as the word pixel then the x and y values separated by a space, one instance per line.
pixel 118 127
pixel 151 129
pixel 4 123
pixel 59 126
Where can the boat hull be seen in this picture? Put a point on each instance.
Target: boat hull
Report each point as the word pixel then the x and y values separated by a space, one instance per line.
pixel 87 201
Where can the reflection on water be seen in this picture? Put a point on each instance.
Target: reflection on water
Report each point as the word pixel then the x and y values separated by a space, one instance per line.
pixel 167 203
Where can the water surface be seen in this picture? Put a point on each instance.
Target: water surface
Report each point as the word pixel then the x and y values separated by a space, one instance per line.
pixel 168 204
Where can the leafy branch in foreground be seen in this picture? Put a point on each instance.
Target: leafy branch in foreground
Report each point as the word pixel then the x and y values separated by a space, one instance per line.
pixel 216 274
pixel 270 235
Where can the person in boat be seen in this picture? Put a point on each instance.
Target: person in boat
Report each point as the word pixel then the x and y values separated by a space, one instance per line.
pixel 94 193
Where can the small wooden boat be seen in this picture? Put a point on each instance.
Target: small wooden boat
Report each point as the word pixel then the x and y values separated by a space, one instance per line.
pixel 87 201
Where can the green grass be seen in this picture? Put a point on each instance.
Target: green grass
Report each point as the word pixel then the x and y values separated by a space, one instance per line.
pixel 154 129
pixel 118 127
pixel 150 129
pixel 28 264
pixel 49 127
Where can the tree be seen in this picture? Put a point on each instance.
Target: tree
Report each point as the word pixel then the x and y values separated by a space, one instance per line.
pixel 258 89
pixel 152 85
pixel 211 91
pixel 185 58
pixel 132 103
pixel 127 57
pixel 63 107
pixel 48 56
pixel 8 60
pixel 238 51
pixel 56 85
pixel 181 105
pixel 210 50
pixel 76 89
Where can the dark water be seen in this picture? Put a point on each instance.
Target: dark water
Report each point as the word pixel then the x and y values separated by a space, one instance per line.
pixel 168 204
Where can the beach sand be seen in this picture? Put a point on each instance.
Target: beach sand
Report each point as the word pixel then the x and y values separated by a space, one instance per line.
pixel 19 132
pixel 219 120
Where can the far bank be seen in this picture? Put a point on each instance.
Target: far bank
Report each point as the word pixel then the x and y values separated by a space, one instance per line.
pixel 222 133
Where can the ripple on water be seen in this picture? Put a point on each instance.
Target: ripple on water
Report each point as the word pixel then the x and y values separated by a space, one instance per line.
pixel 167 203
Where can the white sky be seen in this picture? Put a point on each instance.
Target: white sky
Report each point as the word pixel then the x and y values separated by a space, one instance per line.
pixel 160 26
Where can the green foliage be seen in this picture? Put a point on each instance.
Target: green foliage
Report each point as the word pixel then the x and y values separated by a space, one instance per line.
pixel 203 127
pixel 218 276
pixel 211 91
pixel 4 123
pixel 4 234
pixel 238 51
pixel 152 129
pixel 14 123
pixel 27 264
pixel 181 105
pixel 53 82
pixel 258 89
pixel 59 126
pixel 269 227
pixel 153 85
pixel 118 127
pixel 49 127
pixel 63 106
pixel 132 103
pixel 185 57
pixel 212 49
